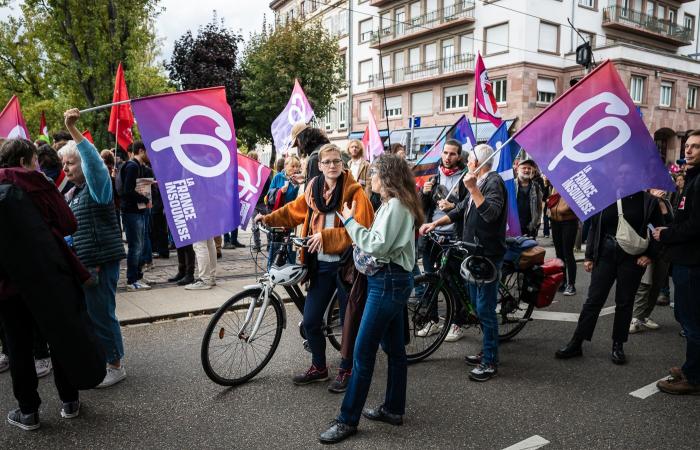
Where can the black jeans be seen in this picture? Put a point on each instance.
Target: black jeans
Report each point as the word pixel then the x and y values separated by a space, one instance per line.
pixel 564 236
pixel 159 234
pixel 612 265
pixel 185 261
pixel 19 325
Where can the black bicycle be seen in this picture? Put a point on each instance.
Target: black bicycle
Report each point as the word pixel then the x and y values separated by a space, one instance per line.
pixel 438 297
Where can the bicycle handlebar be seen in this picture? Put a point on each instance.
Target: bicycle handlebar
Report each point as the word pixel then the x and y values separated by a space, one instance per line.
pixel 446 241
pixel 300 242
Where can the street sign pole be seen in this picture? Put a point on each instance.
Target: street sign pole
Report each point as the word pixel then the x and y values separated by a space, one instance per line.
pixel 410 137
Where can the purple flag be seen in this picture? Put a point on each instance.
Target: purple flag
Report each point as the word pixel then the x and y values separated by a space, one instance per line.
pixel 503 164
pixel 298 110
pixel 593 146
pixel 191 142
pixel 252 177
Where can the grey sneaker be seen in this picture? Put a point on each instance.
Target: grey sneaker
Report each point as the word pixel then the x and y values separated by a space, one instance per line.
pixel 4 362
pixel 570 290
pixel 114 376
pixel 27 422
pixel 43 367
pixel 70 410
pixel 198 285
pixel 483 372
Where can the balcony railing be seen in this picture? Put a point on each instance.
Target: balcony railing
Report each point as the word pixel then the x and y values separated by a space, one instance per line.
pixel 442 66
pixel 460 10
pixel 647 24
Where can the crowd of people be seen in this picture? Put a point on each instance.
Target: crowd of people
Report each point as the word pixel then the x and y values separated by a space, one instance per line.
pixel 367 216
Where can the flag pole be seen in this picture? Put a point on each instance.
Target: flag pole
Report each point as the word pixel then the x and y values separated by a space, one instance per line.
pixel 105 106
pixel 476 170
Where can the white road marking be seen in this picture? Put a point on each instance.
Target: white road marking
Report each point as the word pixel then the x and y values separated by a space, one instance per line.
pixel 566 317
pixel 647 391
pixel 530 443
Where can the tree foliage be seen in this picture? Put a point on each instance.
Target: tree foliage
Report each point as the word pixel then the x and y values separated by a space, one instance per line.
pixel 273 59
pixel 209 59
pixel 64 53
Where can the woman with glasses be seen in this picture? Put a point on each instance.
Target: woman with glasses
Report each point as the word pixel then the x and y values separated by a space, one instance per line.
pixel 390 242
pixel 316 210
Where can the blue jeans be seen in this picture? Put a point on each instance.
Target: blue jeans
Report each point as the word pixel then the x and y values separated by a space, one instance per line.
pixel 686 281
pixel 317 299
pixel 101 307
pixel 135 229
pixel 147 252
pixel 382 323
pixel 484 297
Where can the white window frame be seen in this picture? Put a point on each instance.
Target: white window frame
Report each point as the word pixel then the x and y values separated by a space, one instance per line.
pixel 546 96
pixel 422 112
pixel 366 62
pixel 666 94
pixel 360 107
pixel 491 47
pixel 342 114
pixel 500 86
pixel 692 100
pixel 455 98
pixel 392 111
pixel 637 88
pixel 365 36
pixel 548 27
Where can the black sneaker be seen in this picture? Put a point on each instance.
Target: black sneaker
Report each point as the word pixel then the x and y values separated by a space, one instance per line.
pixel 238 245
pixel 176 278
pixel 570 290
pixel 311 376
pixel 474 360
pixel 340 384
pixel 189 279
pixel 70 410
pixel 562 288
pixel 27 422
pixel 483 372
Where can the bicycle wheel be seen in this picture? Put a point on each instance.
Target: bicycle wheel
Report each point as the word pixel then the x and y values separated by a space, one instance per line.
pixel 228 358
pixel 333 328
pixel 513 313
pixel 430 304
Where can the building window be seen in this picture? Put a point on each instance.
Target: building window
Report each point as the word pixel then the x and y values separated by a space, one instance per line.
pixel 666 94
pixel 365 31
pixel 448 53
pixel 587 3
pixel 499 89
pixel 422 103
pixel 672 15
pixel 364 110
pixel 549 38
pixel 329 120
pixel 342 114
pixel 455 97
pixel 689 22
pixel 692 102
pixel 393 107
pixel 466 44
pixel 637 89
pixel 546 90
pixel 365 70
pixel 496 39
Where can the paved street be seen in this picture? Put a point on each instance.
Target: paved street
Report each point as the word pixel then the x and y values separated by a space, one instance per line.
pixel 167 401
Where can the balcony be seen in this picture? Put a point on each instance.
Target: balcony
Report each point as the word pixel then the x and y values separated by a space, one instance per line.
pixel 380 2
pixel 456 65
pixel 461 13
pixel 632 21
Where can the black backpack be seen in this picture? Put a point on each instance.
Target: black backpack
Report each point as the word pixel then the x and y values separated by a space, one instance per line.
pixel 119 176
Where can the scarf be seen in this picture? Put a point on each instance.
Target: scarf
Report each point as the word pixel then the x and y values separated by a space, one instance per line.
pixel 327 201
pixel 449 172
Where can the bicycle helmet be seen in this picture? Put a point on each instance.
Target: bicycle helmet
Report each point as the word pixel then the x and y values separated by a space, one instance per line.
pixel 288 274
pixel 478 269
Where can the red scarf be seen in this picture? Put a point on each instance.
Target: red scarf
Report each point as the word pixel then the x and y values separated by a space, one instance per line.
pixel 449 172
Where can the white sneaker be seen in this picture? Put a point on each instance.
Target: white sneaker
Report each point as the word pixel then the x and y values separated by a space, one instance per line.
pixel 650 324
pixel 636 326
pixel 198 285
pixel 138 286
pixel 4 362
pixel 114 376
pixel 43 367
pixel 430 329
pixel 454 334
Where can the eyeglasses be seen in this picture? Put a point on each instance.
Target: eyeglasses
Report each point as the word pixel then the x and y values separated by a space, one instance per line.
pixel 332 162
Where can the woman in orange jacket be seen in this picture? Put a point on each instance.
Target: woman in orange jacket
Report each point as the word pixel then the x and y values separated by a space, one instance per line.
pixel 325 196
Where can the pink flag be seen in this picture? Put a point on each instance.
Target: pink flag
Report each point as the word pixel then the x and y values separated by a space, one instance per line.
pixel 298 109
pixel 12 123
pixel 376 146
pixel 365 143
pixel 485 106
pixel 251 180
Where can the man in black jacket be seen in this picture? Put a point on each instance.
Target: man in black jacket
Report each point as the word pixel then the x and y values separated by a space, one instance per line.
pixel 484 211
pixel 682 241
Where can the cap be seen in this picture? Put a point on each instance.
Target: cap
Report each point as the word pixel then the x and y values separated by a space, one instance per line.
pixel 297 128
pixel 528 161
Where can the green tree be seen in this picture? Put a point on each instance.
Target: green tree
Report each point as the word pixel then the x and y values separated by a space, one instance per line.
pixel 273 59
pixel 64 53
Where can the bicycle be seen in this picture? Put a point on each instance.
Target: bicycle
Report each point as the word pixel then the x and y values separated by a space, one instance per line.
pixel 438 295
pixel 243 334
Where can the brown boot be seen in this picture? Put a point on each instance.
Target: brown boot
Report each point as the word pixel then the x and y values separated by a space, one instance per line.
pixel 676 373
pixel 678 387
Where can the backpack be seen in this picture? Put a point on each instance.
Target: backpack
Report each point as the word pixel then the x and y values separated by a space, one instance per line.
pixel 119 176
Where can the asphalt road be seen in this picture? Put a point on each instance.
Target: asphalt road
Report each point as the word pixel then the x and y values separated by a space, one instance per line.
pixel 167 401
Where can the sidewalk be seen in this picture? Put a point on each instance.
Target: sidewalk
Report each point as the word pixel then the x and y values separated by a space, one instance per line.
pixel 172 302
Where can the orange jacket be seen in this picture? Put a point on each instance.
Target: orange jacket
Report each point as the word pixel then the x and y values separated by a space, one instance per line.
pixel 335 240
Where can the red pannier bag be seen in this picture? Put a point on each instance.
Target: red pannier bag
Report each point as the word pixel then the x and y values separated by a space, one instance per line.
pixel 553 271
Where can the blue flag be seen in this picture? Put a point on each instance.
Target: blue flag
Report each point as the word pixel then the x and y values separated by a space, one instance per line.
pixel 503 164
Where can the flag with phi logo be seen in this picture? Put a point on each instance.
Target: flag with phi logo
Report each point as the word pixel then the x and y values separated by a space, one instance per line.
pixel 252 177
pixel 485 106
pixel 593 145
pixel 191 142
pixel 12 123
pixel 298 109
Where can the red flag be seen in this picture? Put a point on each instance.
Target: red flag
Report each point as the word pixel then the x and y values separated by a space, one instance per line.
pixel 485 106
pixel 43 129
pixel 87 135
pixel 12 123
pixel 121 119
pixel 365 143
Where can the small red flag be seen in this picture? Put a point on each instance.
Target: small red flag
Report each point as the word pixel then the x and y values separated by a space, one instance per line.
pixel 43 129
pixel 365 142
pixel 121 119
pixel 87 135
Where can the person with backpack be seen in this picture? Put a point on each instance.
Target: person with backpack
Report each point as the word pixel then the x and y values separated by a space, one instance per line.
pixel 133 208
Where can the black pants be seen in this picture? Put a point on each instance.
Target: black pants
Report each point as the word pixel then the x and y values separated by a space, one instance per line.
pixel 612 265
pixel 3 341
pixel 159 234
pixel 564 236
pixel 41 347
pixel 185 261
pixel 19 325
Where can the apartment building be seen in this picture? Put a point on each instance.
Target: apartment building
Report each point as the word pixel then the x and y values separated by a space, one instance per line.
pixel 415 58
